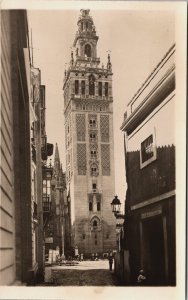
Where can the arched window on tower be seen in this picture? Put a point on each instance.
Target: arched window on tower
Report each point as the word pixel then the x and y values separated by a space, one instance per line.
pixel 100 88
pixel 94 172
pixel 92 137
pixel 87 50
pixel 106 89
pixel 93 153
pixel 91 85
pixel 95 224
pixel 90 206
pixel 76 87
pixel 83 87
pixel 92 123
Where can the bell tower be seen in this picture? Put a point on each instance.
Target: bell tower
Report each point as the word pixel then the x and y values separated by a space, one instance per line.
pixel 88 110
pixel 86 38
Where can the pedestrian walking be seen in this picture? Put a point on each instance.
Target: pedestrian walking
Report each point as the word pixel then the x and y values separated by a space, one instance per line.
pixel 110 259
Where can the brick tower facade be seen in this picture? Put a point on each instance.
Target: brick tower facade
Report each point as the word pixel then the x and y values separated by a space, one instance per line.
pixel 88 109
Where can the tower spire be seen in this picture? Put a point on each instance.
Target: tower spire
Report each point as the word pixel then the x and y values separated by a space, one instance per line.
pixel 109 65
pixel 56 160
pixel 86 32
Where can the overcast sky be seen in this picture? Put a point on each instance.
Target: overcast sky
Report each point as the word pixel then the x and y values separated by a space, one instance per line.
pixel 137 40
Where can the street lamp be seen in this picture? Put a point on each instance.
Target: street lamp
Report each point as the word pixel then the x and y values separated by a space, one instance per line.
pixel 116 206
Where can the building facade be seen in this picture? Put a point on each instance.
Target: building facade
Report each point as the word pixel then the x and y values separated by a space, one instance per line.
pixel 47 173
pixel 149 127
pixel 56 209
pixel 62 226
pixel 88 110
pixel 21 229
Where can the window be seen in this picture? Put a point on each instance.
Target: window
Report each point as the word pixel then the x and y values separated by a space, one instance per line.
pixel 76 87
pixel 83 236
pixel 106 89
pixel 88 50
pixel 95 242
pixel 93 154
pixel 92 137
pixel 90 206
pixel 148 151
pixel 46 203
pixel 94 171
pixel 94 186
pixel 95 225
pixel 98 206
pixel 107 236
pixel 83 87
pixel 92 123
pixel 91 85
pixel 100 88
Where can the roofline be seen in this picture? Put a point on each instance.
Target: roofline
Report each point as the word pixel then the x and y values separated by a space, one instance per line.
pixel 152 73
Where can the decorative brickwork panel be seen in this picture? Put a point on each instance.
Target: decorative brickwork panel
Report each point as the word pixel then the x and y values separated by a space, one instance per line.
pixel 105 159
pixel 104 128
pixel 81 159
pixel 94 117
pixel 81 127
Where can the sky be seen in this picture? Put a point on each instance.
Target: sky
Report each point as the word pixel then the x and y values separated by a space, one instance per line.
pixel 137 39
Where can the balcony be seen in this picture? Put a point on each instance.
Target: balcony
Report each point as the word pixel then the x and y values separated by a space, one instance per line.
pixel 93 140
pixel 46 206
pixel 93 126
pixel 93 157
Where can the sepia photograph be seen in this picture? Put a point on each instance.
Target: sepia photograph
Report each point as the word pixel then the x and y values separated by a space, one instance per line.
pixel 93 122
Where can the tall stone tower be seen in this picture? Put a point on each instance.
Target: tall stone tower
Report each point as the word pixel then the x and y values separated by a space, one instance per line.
pixel 88 109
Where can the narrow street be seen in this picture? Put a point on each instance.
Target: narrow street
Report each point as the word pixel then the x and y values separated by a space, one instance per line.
pixel 85 273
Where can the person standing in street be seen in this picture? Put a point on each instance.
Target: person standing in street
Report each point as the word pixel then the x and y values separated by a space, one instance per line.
pixel 110 259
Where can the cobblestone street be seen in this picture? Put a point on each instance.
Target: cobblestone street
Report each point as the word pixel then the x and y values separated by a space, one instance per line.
pixel 86 273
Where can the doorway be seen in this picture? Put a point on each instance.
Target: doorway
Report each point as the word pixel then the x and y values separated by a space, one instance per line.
pixel 153 250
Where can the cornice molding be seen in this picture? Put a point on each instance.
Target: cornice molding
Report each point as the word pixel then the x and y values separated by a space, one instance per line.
pixel 158 94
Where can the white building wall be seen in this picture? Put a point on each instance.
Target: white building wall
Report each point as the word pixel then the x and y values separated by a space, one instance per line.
pixel 162 120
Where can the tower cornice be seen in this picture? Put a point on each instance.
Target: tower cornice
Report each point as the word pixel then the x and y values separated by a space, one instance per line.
pixel 88 69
